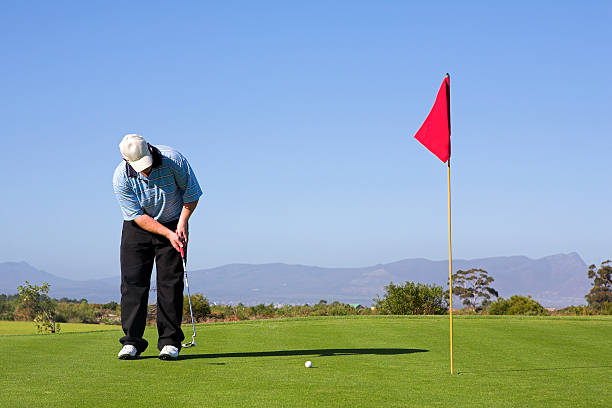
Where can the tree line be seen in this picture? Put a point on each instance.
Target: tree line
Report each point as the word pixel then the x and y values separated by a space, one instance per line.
pixel 473 287
pixel 33 303
pixel 475 290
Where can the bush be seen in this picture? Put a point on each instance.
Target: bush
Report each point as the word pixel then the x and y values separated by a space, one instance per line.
pixel 262 310
pixel 517 305
pixel 575 311
pixel 110 306
pixel 8 303
pixel 77 312
pixel 340 309
pixel 413 299
pixel 68 300
pixel 35 304
pixel 200 306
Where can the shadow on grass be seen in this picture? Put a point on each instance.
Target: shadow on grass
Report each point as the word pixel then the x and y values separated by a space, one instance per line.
pixel 511 370
pixel 313 352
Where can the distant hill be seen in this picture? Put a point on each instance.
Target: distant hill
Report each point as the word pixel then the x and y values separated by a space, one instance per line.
pixel 13 274
pixel 556 281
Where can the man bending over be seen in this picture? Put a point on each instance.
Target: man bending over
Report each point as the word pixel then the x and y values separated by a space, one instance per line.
pixel 157 192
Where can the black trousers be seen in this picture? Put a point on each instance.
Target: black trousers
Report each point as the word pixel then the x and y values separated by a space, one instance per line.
pixel 139 248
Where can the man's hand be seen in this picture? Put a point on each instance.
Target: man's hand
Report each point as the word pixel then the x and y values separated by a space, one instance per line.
pixel 175 240
pixel 182 230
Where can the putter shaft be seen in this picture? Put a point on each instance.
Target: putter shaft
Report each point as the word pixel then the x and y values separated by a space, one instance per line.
pixel 193 342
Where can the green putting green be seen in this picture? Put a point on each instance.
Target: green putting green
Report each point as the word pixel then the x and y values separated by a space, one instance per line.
pixel 369 361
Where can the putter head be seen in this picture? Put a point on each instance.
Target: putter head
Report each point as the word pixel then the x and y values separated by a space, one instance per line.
pixel 192 343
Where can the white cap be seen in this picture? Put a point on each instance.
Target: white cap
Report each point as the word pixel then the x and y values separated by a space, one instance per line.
pixel 135 151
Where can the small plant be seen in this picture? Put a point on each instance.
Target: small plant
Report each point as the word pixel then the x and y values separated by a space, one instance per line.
pixel 36 305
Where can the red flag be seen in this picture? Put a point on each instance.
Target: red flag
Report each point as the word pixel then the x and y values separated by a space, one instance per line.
pixel 434 134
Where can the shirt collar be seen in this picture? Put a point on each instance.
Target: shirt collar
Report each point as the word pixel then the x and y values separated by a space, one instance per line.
pixel 157 161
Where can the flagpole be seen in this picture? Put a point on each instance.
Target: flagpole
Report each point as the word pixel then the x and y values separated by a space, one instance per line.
pixel 450 254
pixel 434 134
pixel 450 270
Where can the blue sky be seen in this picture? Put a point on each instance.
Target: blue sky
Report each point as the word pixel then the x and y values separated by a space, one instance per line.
pixel 298 119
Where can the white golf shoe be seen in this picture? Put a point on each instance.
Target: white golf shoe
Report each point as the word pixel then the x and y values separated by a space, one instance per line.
pixel 169 353
pixel 128 352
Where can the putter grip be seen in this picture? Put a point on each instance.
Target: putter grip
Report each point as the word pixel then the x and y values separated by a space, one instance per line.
pixel 182 252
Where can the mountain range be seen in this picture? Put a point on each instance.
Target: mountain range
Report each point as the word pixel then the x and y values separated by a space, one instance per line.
pixel 555 281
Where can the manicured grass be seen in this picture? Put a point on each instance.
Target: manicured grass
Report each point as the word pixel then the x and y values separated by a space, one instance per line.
pixel 14 328
pixel 373 361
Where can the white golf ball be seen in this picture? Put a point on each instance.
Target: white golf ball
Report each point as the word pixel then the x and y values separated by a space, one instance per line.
pixel 308 364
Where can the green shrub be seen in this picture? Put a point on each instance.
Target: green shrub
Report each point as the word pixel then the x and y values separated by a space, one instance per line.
pixel 262 310
pixel 575 311
pixel 340 309
pixel 413 299
pixel 77 312
pixel 35 304
pixel 8 303
pixel 517 305
pixel 110 305
pixel 607 308
pixel 200 306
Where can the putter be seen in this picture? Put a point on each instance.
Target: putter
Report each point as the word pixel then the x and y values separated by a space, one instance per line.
pixel 193 342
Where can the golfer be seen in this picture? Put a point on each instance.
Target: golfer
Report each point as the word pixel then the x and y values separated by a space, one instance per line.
pixel 157 192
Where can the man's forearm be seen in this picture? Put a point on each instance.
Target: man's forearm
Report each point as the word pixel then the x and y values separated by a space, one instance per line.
pixel 182 228
pixel 188 209
pixel 149 224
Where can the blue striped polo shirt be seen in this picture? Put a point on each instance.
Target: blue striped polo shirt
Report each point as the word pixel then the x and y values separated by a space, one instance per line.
pixel 161 195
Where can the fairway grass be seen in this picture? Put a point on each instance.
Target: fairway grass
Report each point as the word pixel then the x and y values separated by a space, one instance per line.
pixel 369 361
